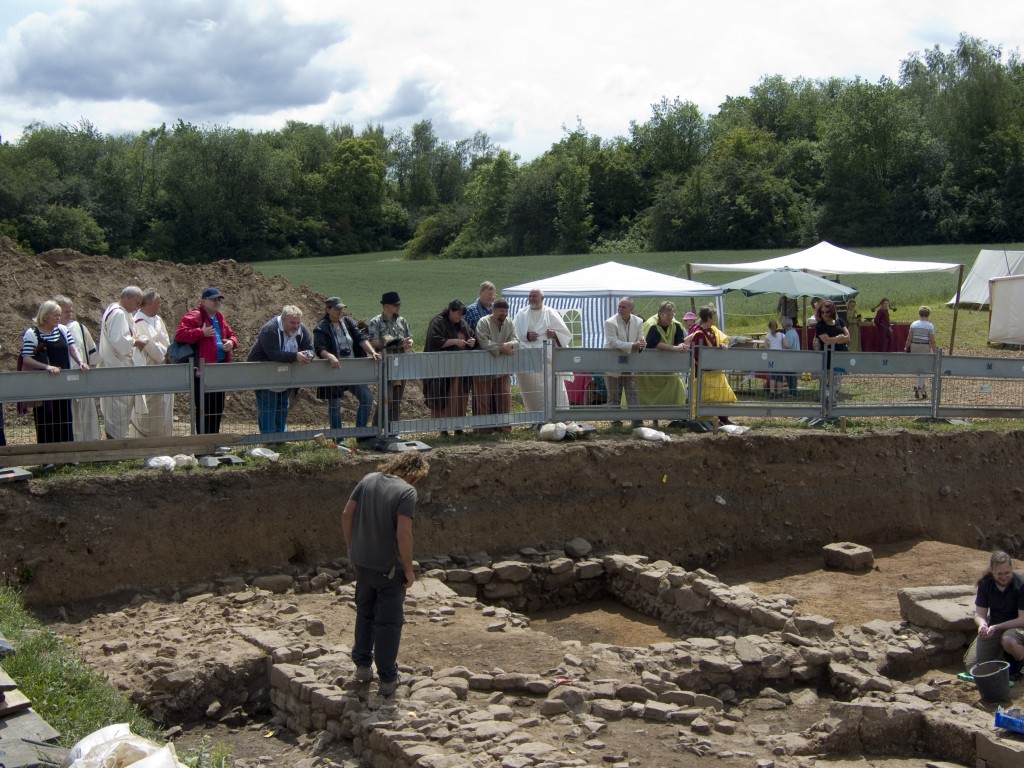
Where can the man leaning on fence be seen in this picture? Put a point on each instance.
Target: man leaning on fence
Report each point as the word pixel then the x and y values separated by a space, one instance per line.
pixel 209 333
pixel 282 339
pixel 624 332
pixel 537 324
pixel 496 334
pixel 389 332
pixel 118 342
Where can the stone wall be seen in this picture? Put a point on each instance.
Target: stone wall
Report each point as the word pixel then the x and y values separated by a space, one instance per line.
pixel 742 647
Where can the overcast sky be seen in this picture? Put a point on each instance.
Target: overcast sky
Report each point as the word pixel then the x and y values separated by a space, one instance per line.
pixel 516 71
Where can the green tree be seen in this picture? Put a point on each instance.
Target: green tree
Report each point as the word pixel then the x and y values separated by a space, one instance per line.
pixel 574 223
pixel 486 232
pixel 972 103
pixel 61 226
pixel 675 140
pixel 354 194
pixel 879 162
pixel 213 196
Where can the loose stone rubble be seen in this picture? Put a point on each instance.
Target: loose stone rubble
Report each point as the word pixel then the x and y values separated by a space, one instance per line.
pixel 744 660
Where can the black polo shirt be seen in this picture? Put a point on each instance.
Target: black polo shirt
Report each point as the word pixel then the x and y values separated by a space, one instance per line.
pixel 1002 605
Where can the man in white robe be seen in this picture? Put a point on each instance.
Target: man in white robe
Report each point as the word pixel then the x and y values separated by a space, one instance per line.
pixel 535 324
pixel 158 421
pixel 84 416
pixel 118 342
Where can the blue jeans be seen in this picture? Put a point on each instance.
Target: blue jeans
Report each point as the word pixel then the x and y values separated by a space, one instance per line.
pixel 365 398
pixel 271 411
pixel 380 600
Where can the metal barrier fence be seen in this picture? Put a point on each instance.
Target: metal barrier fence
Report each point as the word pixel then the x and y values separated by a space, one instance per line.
pixel 660 379
pixel 458 383
pixel 89 388
pixel 274 385
pixel 475 390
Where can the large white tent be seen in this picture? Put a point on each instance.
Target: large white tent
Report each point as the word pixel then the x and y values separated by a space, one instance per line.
pixel 989 264
pixel 594 293
pixel 1006 313
pixel 827 259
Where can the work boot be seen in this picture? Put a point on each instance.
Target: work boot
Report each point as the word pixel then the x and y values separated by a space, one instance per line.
pixel 364 674
pixel 1015 669
pixel 387 688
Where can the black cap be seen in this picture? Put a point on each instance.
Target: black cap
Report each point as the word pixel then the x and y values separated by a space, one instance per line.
pixel 212 293
pixel 391 297
pixel 334 302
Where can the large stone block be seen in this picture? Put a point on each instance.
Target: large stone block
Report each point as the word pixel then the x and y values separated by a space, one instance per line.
pixel 510 570
pixel 1000 752
pixel 847 556
pixel 947 609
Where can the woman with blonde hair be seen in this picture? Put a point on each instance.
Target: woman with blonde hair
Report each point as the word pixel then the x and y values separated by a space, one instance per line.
pixel 47 346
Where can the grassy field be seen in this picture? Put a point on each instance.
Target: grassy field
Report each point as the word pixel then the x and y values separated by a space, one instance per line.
pixel 427 286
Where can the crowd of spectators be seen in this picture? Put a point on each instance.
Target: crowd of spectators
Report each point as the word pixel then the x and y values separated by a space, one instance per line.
pixel 132 333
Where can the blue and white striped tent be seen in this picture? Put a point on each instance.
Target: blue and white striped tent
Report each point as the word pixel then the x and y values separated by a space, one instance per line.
pixel 592 295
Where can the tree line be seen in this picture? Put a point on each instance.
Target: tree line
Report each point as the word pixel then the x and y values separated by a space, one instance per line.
pixel 936 156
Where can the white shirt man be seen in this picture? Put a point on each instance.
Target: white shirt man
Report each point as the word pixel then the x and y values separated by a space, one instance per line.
pixel 118 342
pixel 624 332
pixel 496 334
pixel 159 419
pixel 535 324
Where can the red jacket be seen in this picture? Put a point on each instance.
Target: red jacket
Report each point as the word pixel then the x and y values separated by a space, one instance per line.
pixel 190 331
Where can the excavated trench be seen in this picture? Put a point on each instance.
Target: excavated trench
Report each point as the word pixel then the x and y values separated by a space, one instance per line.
pixel 154 551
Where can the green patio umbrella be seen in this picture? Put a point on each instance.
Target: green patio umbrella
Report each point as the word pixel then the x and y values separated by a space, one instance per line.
pixel 791 283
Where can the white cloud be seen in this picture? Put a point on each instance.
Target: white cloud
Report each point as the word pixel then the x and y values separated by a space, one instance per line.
pixel 517 72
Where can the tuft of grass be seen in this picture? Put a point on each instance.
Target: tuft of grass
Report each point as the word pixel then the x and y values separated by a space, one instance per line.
pixel 67 694
pixel 206 756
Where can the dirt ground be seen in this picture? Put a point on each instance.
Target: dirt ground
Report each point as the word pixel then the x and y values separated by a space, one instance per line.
pixel 463 639
pixel 857 598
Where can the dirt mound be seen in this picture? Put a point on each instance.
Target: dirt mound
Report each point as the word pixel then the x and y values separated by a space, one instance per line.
pixel 93 282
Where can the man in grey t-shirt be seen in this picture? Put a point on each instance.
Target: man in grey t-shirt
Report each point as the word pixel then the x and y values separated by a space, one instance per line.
pixel 377 524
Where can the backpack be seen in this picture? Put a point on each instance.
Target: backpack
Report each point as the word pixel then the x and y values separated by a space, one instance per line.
pixel 180 352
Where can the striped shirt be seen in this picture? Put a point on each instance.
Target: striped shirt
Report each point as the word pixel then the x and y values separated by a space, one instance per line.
pixel 28 341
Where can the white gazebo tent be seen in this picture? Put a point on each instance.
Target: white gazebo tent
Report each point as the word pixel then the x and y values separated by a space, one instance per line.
pixel 827 259
pixel 990 264
pixel 594 293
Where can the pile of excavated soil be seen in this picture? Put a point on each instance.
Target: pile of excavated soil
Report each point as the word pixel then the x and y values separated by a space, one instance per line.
pixel 93 282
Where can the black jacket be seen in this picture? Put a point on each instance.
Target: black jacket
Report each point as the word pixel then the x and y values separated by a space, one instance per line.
pixel 323 339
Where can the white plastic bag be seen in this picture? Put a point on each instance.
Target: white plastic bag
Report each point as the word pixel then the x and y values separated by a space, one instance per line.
pixel 165 757
pixel 655 436
pixel 160 462
pixel 117 747
pixel 733 429
pixel 94 739
pixel 552 432
pixel 182 460
pixel 264 453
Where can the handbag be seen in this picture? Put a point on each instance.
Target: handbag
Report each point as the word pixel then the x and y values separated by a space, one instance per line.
pixel 27 405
